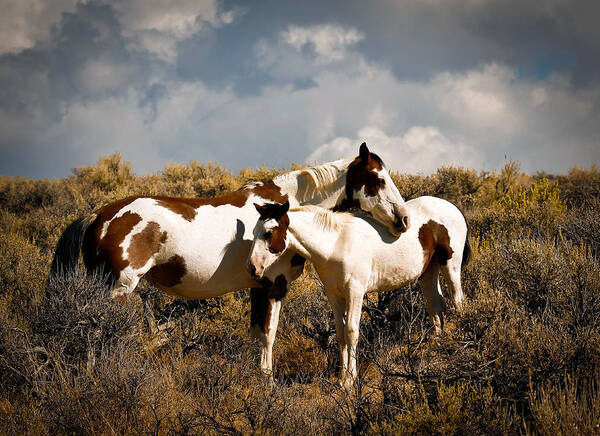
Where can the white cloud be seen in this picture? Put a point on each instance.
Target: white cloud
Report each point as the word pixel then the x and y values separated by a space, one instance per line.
pixel 23 23
pixel 179 19
pixel 152 25
pixel 157 25
pixel 471 118
pixel 329 41
pixel 419 149
pixel 305 52
pixel 410 124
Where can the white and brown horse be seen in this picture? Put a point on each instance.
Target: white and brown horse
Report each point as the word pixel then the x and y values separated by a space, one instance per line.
pixel 353 255
pixel 198 247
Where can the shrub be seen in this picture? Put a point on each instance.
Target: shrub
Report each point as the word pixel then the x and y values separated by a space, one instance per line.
pixel 463 408
pixel 522 356
pixel 580 185
pixel 569 407
pixel 22 271
pixel 110 173
pixel 197 180
pixel 583 226
pixel 457 185
pixel 536 210
pixel 78 317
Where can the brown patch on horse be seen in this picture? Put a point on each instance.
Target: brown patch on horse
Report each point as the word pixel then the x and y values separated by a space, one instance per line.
pixel 260 308
pixel 262 299
pixel 186 207
pixel 109 245
pixel 435 241
pixel 361 173
pixel 93 258
pixel 269 191
pixel 276 212
pixel 279 289
pixel 277 241
pixel 107 212
pixel 145 244
pixel 168 274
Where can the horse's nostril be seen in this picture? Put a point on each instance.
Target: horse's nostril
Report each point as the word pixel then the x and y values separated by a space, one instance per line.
pixel 405 221
pixel 252 270
pixel 402 222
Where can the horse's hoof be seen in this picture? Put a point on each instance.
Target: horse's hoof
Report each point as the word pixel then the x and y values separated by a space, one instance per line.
pixel 268 378
pixel 346 383
pixel 121 299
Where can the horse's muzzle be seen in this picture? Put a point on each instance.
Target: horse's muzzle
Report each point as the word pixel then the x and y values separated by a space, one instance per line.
pixel 402 222
pixel 257 274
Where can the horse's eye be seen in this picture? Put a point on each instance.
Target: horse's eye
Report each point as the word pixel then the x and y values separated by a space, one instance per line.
pixel 381 182
pixel 268 235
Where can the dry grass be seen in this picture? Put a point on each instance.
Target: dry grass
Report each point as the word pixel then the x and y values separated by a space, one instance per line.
pixel 522 357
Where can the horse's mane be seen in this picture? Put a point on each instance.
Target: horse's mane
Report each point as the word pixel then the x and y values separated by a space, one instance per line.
pixel 318 181
pixel 326 219
pixel 324 175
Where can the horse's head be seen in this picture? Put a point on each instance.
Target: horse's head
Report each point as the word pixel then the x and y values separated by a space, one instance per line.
pixel 270 237
pixel 370 188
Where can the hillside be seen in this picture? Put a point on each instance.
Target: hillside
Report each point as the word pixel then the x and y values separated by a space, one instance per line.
pixel 522 357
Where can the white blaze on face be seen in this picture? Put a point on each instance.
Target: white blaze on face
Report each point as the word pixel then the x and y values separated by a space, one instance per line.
pixel 380 197
pixel 261 256
pixel 392 201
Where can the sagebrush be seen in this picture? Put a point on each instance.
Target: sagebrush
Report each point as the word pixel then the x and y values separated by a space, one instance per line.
pixel 522 357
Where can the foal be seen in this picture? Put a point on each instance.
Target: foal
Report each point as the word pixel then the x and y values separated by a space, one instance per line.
pixel 354 255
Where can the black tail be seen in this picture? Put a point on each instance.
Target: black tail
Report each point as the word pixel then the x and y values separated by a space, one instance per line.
pixel 68 247
pixel 467 252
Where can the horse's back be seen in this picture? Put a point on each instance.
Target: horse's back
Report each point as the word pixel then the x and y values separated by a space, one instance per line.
pixel 437 209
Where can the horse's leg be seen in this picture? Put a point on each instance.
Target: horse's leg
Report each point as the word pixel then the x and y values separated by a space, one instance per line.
pixel 264 317
pixel 125 284
pixel 354 305
pixel 451 273
pixel 430 285
pixel 128 280
pixel 338 306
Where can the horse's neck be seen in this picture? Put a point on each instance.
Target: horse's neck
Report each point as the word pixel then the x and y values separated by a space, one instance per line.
pixel 308 238
pixel 321 185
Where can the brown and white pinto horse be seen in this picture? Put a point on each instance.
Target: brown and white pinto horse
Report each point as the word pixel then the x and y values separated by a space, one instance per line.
pixel 354 255
pixel 198 247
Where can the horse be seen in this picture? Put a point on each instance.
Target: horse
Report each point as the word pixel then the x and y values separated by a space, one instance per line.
pixel 353 254
pixel 197 248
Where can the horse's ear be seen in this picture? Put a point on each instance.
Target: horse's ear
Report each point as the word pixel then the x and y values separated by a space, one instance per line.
pixel 261 210
pixel 363 152
pixel 280 210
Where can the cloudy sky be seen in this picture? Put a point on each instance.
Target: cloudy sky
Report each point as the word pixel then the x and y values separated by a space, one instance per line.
pixel 244 83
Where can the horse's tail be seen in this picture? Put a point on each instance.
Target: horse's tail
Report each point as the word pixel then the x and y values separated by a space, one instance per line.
pixel 68 248
pixel 467 252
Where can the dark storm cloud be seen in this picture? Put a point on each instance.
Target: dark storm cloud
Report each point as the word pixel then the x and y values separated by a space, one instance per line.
pixel 416 39
pixel 55 71
pixel 86 59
